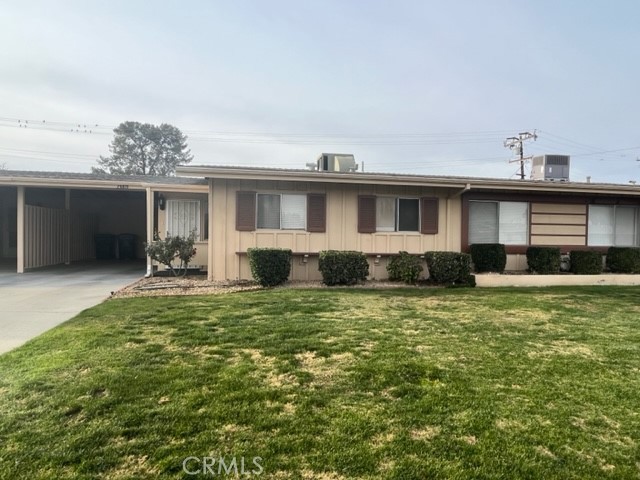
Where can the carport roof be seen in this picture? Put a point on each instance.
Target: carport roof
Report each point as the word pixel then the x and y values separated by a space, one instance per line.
pixel 15 177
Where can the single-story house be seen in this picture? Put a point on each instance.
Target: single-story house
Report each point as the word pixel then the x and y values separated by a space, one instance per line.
pixel 50 218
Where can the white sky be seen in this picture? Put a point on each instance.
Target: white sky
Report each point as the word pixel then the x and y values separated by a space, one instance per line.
pixel 419 87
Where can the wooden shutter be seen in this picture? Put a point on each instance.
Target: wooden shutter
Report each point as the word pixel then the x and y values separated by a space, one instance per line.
pixel 429 207
pixel 316 212
pixel 366 214
pixel 246 211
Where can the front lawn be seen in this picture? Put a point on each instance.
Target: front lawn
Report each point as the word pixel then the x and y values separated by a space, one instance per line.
pixel 333 384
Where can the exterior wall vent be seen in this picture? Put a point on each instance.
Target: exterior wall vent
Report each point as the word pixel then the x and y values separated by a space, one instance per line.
pixel 336 162
pixel 550 167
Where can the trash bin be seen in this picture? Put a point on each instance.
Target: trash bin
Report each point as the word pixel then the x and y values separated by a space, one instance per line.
pixel 127 246
pixel 105 246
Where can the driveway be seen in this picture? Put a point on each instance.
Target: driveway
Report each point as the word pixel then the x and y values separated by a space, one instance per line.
pixel 31 303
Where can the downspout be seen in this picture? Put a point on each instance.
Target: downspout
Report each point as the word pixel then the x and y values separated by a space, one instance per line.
pixel 466 188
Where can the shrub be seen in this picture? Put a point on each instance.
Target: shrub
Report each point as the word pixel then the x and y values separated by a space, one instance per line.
pixel 343 268
pixel 448 268
pixel 543 260
pixel 623 259
pixel 404 268
pixel 468 282
pixel 489 257
pixel 585 262
pixel 269 266
pixel 167 250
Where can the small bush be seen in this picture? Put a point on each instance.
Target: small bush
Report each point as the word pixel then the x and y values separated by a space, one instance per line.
pixel 543 260
pixel 623 259
pixel 585 262
pixel 447 268
pixel 270 266
pixel 489 257
pixel 343 268
pixel 169 249
pixel 404 268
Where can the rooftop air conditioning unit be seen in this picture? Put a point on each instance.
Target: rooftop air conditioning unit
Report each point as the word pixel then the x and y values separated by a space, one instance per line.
pixel 550 167
pixel 337 162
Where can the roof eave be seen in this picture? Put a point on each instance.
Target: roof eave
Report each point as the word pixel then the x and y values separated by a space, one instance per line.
pixel 239 173
pixel 96 184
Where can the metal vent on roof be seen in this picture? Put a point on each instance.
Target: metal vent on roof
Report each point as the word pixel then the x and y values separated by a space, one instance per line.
pixel 550 167
pixel 336 162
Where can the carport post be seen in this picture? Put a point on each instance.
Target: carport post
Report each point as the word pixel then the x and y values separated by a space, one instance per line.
pixel 149 228
pixel 67 207
pixel 20 233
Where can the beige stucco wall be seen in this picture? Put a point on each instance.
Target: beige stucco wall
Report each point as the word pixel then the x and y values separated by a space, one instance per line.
pixel 228 244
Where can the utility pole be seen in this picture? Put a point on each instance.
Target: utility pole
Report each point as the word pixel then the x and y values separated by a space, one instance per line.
pixel 517 144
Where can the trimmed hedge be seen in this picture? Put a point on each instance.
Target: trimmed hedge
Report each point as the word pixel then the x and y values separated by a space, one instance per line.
pixel 488 257
pixel 585 262
pixel 448 268
pixel 623 259
pixel 270 266
pixel 404 268
pixel 543 260
pixel 343 268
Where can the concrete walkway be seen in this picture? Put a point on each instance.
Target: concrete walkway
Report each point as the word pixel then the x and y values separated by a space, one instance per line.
pixel 31 303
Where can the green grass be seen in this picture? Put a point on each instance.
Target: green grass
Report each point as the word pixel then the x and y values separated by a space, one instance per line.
pixel 332 384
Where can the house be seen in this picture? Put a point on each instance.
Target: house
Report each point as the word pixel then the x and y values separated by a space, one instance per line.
pixel 381 214
pixel 54 218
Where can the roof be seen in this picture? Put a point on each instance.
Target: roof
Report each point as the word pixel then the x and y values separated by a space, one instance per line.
pixel 94 179
pixel 466 183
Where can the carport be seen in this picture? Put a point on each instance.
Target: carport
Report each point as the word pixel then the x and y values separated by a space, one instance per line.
pixel 56 218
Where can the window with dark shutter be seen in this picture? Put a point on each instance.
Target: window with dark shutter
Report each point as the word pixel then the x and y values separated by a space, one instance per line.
pixel 366 214
pixel 429 217
pixel 245 211
pixel 316 212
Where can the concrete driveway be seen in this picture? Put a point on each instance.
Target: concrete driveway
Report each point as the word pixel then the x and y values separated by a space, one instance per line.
pixel 31 303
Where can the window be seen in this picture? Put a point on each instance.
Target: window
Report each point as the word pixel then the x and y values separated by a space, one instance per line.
pixel 393 214
pixel 282 211
pixel 499 222
pixel 613 225
pixel 397 214
pixel 276 211
pixel 183 217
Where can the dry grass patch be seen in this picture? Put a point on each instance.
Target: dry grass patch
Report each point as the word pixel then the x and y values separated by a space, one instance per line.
pixel 134 466
pixel 563 347
pixel 324 369
pixel 426 433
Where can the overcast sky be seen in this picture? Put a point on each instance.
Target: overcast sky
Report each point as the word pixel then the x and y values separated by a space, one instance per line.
pixel 419 87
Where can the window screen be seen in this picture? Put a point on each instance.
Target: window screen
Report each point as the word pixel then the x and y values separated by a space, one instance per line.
pixel 183 217
pixel 385 214
pixel 601 225
pixel 625 226
pixel 294 212
pixel 268 211
pixel 513 223
pixel 483 222
pixel 408 215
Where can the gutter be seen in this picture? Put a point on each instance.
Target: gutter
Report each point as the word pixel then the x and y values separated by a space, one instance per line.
pixel 457 194
pixel 97 184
